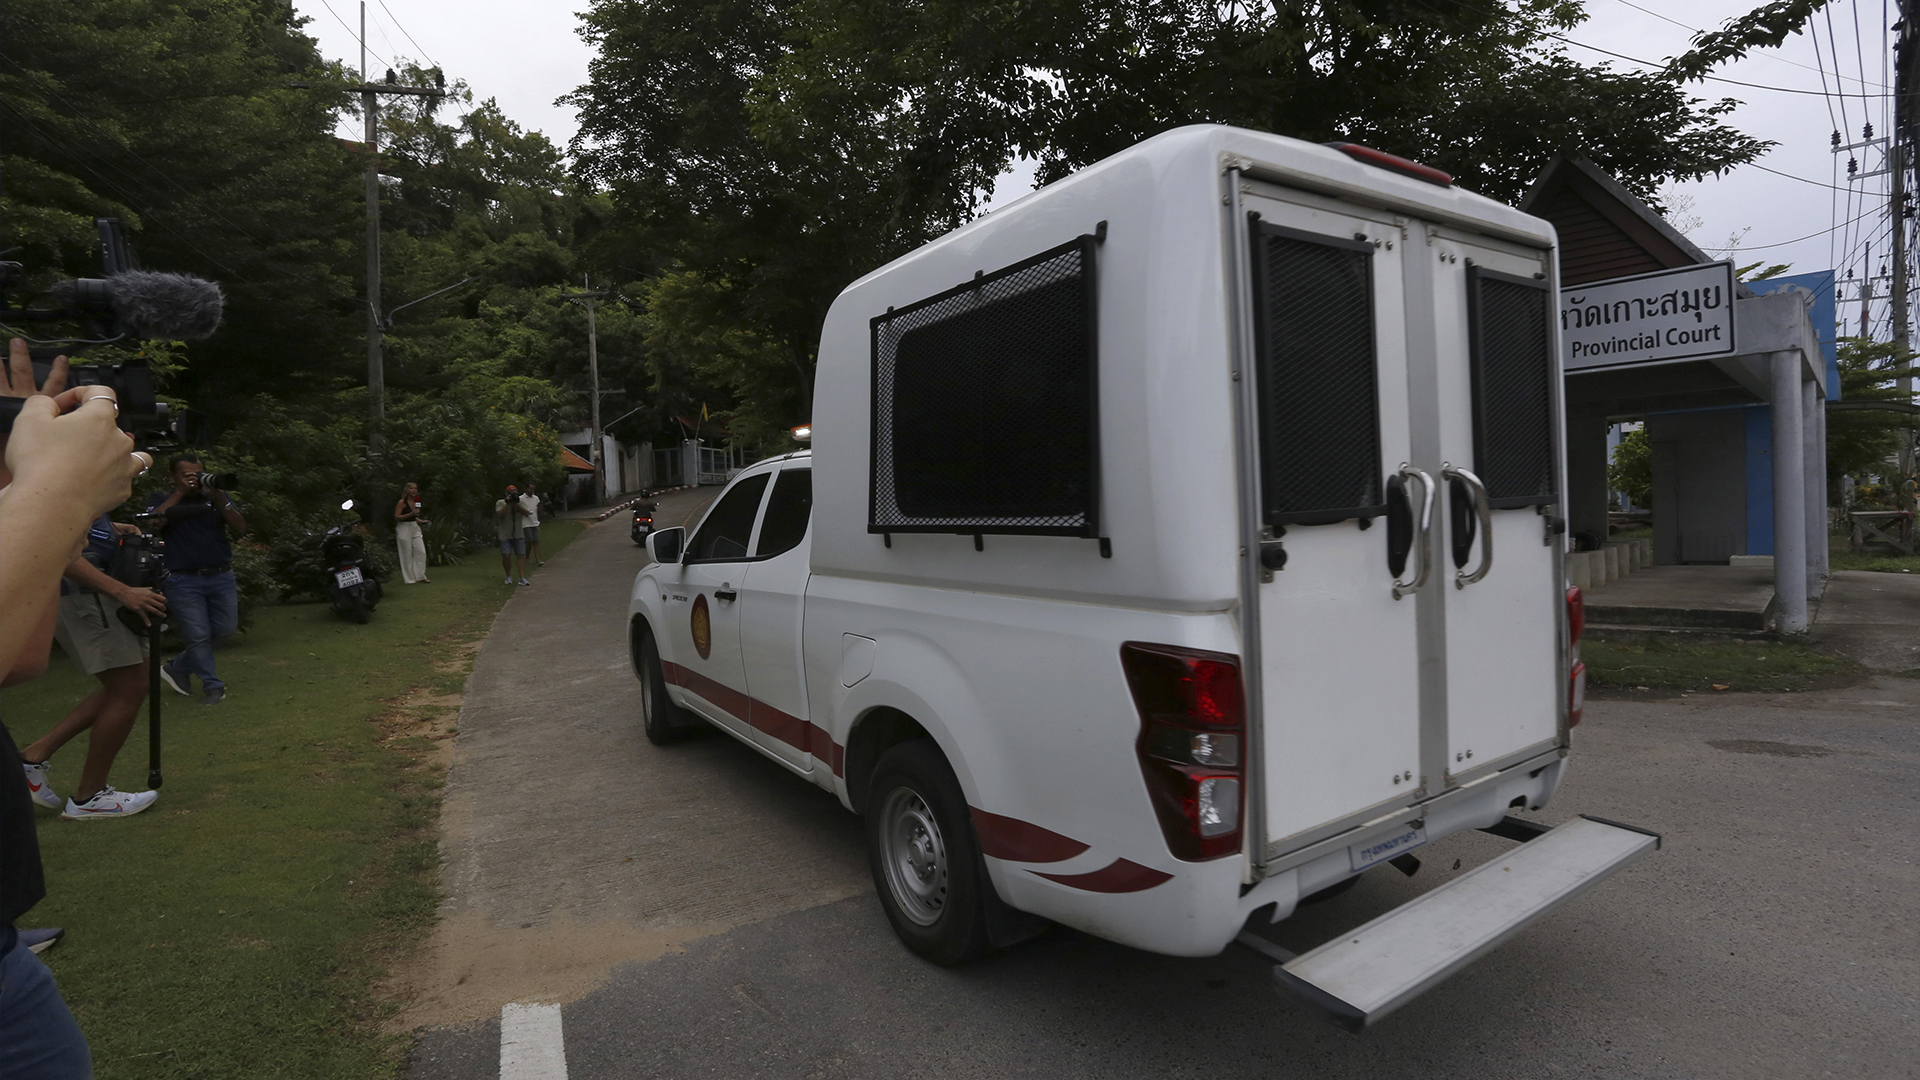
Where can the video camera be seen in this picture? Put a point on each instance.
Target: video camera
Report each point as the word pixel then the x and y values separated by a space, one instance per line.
pixel 127 304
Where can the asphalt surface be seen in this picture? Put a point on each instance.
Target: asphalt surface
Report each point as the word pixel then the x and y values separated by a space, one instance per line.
pixel 707 914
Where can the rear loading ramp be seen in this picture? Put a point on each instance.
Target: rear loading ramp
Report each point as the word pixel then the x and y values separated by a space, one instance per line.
pixel 1367 973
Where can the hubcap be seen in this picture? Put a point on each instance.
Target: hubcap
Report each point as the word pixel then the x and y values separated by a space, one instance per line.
pixel 915 856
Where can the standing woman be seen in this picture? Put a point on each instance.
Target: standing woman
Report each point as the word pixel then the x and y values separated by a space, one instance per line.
pixel 406 533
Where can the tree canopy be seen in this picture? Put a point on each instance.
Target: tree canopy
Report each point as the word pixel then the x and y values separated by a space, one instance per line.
pixel 772 151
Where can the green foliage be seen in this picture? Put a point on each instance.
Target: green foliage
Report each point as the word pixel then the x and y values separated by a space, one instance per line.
pixel 772 152
pixel 1762 28
pixel 297 564
pixel 1630 472
pixel 1862 443
pixel 1760 271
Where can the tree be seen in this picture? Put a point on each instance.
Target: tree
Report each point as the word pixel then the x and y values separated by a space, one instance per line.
pixel 776 150
pixel 208 128
pixel 1630 472
pixel 1863 443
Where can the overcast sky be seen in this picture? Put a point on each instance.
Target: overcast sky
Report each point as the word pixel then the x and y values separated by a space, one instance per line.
pixel 527 53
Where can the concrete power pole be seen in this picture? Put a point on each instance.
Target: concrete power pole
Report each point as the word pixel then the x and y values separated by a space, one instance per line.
pixel 598 459
pixel 370 108
pixel 1905 56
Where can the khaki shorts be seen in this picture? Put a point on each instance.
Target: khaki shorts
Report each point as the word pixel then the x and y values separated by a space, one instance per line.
pixel 93 636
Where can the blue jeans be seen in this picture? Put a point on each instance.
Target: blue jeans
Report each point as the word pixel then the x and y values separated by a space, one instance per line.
pixel 38 1038
pixel 207 610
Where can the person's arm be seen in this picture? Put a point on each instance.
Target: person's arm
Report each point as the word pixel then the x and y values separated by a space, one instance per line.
pixel 66 471
pixel 236 525
pixel 145 603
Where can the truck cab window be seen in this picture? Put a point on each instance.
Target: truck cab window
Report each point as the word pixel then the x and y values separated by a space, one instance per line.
pixel 729 526
pixel 787 513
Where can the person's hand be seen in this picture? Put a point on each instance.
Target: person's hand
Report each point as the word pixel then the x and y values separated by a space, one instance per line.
pixel 146 603
pixel 121 528
pixel 68 451
pixel 19 373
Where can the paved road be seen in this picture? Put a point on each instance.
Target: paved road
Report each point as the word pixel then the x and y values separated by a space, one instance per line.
pixel 696 912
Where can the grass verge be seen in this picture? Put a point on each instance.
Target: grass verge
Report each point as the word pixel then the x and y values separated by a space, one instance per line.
pixel 237 928
pixel 1709 666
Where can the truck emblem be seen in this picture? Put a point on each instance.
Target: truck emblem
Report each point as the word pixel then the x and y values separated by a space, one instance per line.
pixel 702 627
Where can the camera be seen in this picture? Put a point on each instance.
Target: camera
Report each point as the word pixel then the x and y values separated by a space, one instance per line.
pixel 127 304
pixel 223 481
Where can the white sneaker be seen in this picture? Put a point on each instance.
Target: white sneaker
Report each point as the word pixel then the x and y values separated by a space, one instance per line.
pixel 508 581
pixel 167 676
pixel 38 788
pixel 108 803
pixel 524 581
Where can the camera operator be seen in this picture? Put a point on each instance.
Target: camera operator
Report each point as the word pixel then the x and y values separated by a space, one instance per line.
pixel 196 518
pixel 64 464
pixel 93 635
pixel 510 515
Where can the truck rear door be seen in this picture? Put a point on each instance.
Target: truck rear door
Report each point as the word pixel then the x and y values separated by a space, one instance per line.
pixel 1339 653
pixel 1404 397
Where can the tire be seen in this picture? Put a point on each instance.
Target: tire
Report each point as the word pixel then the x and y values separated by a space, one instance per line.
pixel 663 721
pixel 924 856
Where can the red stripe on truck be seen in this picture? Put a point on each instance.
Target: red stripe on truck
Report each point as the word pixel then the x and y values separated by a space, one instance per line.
pixel 795 732
pixel 1120 876
pixel 1021 841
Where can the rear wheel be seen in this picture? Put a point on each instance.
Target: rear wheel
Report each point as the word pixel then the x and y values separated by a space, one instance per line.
pixel 663 721
pixel 925 859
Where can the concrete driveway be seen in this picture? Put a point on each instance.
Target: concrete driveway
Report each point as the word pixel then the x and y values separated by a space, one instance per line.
pixel 633 911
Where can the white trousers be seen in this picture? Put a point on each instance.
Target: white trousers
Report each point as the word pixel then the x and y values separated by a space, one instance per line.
pixel 413 551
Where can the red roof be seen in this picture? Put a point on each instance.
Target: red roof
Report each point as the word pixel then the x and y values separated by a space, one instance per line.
pixel 574 462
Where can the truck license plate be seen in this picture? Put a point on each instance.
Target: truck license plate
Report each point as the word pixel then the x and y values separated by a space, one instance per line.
pixel 1386 847
pixel 348 578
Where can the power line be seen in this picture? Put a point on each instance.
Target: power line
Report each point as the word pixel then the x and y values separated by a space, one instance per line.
pixel 356 34
pixel 1802 179
pixel 1767 53
pixel 1784 243
pixel 1714 78
pixel 403 30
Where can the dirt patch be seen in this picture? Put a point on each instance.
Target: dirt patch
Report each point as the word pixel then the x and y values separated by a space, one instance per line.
pixel 1772 749
pixel 473 967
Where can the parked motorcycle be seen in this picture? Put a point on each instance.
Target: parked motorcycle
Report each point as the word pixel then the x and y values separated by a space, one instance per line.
pixel 643 512
pixel 355 590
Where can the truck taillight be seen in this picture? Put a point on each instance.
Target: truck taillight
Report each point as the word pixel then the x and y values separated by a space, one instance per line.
pixel 1192 741
pixel 1576 670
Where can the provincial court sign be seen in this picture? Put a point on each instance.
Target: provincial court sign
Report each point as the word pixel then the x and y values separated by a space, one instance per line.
pixel 1681 314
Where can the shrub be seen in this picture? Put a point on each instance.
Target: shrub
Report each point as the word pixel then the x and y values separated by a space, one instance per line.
pixel 298 567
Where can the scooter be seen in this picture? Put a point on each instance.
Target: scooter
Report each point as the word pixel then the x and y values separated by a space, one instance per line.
pixel 355 590
pixel 643 519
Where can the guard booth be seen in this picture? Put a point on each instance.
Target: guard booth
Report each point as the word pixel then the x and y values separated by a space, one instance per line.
pixel 1730 379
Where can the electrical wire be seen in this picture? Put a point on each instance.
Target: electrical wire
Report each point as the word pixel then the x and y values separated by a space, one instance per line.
pixel 1713 78
pixel 409 35
pixel 1802 179
pixel 356 34
pixel 1784 243
pixel 1766 53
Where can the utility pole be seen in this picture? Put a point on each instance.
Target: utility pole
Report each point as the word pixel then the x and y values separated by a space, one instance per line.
pixel 1905 57
pixel 370 108
pixel 587 299
pixel 1866 287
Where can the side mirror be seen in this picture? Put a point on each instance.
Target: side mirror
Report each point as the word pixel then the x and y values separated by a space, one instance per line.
pixel 664 545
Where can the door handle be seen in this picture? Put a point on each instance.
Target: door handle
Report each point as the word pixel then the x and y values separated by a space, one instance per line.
pixel 726 594
pixel 1483 515
pixel 1408 531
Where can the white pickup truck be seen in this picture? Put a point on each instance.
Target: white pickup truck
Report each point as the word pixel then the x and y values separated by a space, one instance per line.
pixel 1180 541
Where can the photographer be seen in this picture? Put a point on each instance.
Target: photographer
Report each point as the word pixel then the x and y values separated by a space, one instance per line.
pixel 65 463
pixel 510 515
pixel 197 518
pixel 91 632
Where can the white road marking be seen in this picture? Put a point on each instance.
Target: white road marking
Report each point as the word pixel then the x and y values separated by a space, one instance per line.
pixel 532 1046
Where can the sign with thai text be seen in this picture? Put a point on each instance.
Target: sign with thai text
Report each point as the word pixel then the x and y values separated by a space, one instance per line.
pixel 1682 314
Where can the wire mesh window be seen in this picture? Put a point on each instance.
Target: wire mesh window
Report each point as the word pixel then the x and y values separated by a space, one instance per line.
pixel 1318 386
pixel 1513 371
pixel 985 416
